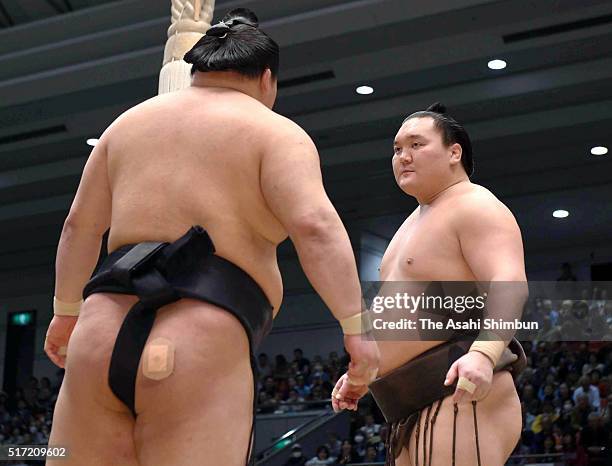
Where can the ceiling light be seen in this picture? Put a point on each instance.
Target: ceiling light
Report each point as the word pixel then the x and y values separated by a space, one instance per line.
pixel 599 150
pixel 364 90
pixel 92 141
pixel 497 64
pixel 560 213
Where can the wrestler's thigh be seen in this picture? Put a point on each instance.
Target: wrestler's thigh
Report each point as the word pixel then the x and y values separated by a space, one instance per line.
pixel 88 420
pixel 202 412
pixel 499 427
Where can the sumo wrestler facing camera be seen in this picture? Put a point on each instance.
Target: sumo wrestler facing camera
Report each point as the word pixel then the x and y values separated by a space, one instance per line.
pixel 449 402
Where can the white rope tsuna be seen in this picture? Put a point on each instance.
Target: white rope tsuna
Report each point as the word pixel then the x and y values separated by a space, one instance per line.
pixel 190 21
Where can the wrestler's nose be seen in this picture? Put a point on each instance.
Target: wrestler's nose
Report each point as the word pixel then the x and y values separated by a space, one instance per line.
pixel 405 157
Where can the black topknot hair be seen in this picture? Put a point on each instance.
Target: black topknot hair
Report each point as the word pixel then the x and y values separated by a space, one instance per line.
pixel 242 16
pixel 235 44
pixel 436 107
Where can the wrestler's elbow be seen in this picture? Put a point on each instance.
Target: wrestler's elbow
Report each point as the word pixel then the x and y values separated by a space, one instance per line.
pixel 515 283
pixel 315 225
pixel 75 225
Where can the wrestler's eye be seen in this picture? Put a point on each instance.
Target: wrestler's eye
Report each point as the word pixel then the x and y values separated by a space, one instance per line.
pixel 416 144
pixel 396 150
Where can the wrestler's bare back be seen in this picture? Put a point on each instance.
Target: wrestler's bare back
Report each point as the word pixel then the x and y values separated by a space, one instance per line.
pixel 193 157
pixel 188 158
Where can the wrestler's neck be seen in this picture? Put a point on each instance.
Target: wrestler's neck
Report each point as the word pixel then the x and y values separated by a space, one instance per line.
pixel 228 80
pixel 443 191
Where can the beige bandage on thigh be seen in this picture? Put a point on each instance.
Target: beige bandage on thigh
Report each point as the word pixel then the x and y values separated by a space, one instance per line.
pixel 158 362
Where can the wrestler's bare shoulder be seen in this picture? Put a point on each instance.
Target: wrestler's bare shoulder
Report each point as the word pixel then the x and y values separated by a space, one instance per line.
pixel 477 203
pixel 199 109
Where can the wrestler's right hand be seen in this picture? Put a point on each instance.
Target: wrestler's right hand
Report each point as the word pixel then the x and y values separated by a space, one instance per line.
pixel 365 357
pixel 351 394
pixel 58 334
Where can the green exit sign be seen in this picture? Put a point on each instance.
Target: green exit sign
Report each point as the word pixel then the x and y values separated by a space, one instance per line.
pixel 22 318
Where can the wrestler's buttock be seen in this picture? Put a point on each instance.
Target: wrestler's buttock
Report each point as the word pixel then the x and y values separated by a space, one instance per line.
pixel 194 329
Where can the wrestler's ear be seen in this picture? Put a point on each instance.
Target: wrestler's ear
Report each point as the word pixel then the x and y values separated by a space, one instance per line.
pixel 455 153
pixel 267 83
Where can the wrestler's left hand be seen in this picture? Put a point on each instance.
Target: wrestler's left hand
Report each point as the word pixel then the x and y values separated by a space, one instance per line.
pixel 475 367
pixel 58 334
pixel 346 395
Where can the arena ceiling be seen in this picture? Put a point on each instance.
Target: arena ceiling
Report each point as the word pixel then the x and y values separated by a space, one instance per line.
pixel 69 67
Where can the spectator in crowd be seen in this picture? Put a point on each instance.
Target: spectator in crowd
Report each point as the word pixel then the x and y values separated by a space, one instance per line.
pixel 297 457
pixel 562 394
pixel 595 435
pixel 590 366
pixel 300 360
pixel 318 373
pixel 302 388
pixel 548 449
pixel 370 429
pixel 334 444
pixel 269 386
pixel 574 454
pixel 263 365
pixel 371 455
pixel 317 394
pixel 348 455
pixel 546 392
pixel 266 404
pixel 322 457
pixel 581 412
pixel 359 447
pixel 281 367
pixel 334 360
pixel 291 404
pixel 591 392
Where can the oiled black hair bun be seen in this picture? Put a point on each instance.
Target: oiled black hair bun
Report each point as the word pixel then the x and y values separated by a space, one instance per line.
pixel 241 16
pixel 437 108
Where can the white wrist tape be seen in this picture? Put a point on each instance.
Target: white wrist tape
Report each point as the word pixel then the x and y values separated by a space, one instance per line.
pixel 356 324
pixel 61 308
pixel 492 349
